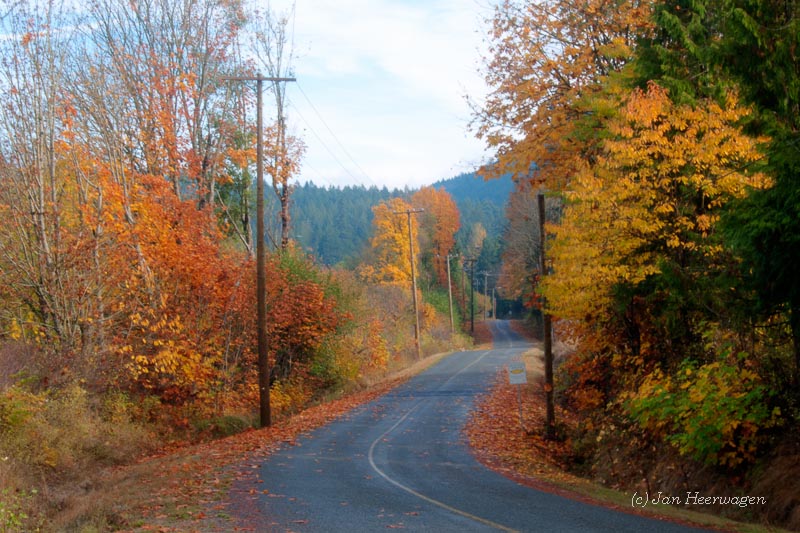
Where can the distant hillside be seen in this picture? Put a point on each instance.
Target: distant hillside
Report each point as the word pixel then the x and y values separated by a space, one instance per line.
pixel 481 201
pixel 473 187
pixel 335 224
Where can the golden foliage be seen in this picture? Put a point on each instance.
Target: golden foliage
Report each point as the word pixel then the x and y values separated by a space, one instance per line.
pixel 655 192
pixel 544 58
pixel 390 262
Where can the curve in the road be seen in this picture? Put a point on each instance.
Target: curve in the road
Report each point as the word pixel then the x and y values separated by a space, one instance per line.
pixel 401 486
pixel 401 461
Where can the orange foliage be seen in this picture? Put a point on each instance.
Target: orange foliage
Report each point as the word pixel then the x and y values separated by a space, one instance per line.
pixel 300 315
pixel 438 226
pixel 654 194
pixel 113 261
pixel 544 58
pixel 164 71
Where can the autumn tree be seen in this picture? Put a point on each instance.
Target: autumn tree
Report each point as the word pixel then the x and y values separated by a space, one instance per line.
pixel 438 224
pixel 645 217
pixel 388 261
pixel 519 273
pixel 163 61
pixel 302 313
pixel 46 245
pixel 544 57
pixel 273 48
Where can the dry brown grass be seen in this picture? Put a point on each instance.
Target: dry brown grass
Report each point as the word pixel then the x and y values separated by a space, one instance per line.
pixel 186 488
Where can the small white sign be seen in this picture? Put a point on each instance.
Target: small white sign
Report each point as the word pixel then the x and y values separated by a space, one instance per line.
pixel 516 374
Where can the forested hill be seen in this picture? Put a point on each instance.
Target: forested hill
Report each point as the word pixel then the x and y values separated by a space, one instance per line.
pixel 335 223
pixel 472 188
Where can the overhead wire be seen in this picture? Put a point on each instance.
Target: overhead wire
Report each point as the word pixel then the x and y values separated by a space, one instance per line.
pixel 335 137
pixel 322 141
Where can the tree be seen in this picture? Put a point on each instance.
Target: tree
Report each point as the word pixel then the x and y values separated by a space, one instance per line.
pixel 389 261
pixel 272 46
pixel 520 268
pixel 438 224
pixel 236 193
pixel 160 63
pixel 301 314
pixel 759 49
pixel 45 249
pixel 545 57
pixel 642 223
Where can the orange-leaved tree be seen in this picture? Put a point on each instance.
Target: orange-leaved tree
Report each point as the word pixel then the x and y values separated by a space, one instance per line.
pixel 544 58
pixel 438 224
pixel 519 274
pixel 161 63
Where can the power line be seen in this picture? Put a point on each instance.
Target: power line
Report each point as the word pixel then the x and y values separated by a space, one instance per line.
pixel 335 138
pixel 324 144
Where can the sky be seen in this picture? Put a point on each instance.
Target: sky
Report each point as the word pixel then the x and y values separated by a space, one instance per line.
pixel 382 86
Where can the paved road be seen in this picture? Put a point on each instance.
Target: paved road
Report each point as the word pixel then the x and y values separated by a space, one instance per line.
pixel 401 462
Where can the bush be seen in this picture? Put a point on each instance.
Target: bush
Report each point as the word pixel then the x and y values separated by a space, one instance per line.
pixel 224 425
pixel 14 510
pixel 61 430
pixel 716 413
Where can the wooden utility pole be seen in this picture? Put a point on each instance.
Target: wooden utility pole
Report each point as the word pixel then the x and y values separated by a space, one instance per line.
pixel 485 294
pixel 409 212
pixel 550 430
pixel 265 414
pixel 471 294
pixel 450 295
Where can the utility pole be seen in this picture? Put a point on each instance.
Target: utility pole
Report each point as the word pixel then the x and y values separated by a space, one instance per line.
pixel 550 430
pixel 450 295
pixel 471 294
pixel 485 293
pixel 463 291
pixel 261 252
pixel 409 212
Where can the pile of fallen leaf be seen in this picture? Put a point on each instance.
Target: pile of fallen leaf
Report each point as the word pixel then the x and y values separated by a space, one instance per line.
pixel 482 335
pixel 514 447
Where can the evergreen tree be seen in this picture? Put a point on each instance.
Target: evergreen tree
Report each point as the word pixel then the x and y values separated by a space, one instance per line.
pixel 760 48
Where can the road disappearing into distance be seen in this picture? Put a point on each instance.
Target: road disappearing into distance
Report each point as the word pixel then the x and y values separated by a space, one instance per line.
pixel 401 462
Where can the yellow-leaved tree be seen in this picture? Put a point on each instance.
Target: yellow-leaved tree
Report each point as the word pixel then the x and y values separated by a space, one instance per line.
pixel 544 58
pixel 388 261
pixel 651 202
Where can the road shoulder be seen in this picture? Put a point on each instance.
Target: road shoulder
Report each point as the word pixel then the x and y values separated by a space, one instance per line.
pixel 518 450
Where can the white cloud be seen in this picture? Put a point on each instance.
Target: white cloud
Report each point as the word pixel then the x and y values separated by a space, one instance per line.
pixel 389 78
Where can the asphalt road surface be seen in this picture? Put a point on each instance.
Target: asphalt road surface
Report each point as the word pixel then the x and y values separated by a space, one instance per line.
pixel 401 462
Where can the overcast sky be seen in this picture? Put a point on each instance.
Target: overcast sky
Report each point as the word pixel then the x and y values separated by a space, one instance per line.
pixel 381 89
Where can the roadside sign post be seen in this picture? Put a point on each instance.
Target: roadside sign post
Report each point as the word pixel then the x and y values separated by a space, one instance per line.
pixel 518 376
